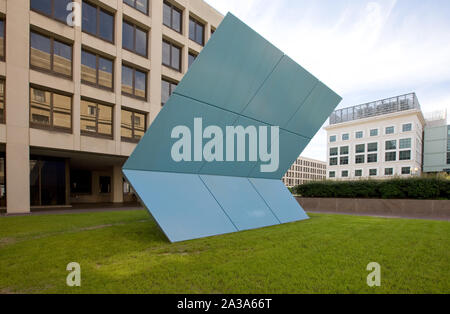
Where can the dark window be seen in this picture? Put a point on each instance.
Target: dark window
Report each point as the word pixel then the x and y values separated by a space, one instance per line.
pixel 134 39
pixel 358 173
pixel 360 148
pixel 332 174
pixel 388 171
pixel 2 181
pixel 332 138
pixel 374 132
pixel 333 161
pixel 50 55
pixel 405 155
pixel 391 145
pixel 371 158
pixel 372 147
pixel 133 126
pixel 172 17
pixel 171 56
pixel 2 40
pixel 344 174
pixel 344 160
pixel 391 156
pixel 406 170
pixel 98 22
pixel 334 151
pixel 167 89
pixel 344 150
pixel 359 134
pixel 405 143
pixel 448 158
pixel 134 82
pixel 96 70
pixel 56 9
pixel 2 101
pixel 196 31
pixel 345 137
pixel 80 182
pixel 50 110
pixel 104 185
pixel 140 5
pixel 192 58
pixel 373 172
pixel 390 130
pixel 96 119
pixel 359 159
pixel 407 127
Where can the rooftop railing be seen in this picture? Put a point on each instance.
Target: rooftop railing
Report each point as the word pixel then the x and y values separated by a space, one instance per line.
pixel 376 108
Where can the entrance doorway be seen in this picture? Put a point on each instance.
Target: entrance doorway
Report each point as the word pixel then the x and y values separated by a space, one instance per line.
pixel 47 181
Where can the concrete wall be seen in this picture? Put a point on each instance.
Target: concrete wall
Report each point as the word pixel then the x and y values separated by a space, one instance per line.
pixel 427 209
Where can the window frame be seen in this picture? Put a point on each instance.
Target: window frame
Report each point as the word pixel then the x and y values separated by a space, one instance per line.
pixel 3 58
pixel 388 174
pixel 389 128
pixel 405 151
pixel 330 174
pixel 97 61
pixel 52 15
pixel 96 134
pixel 51 126
pixel 407 124
pixel 133 112
pixel 172 45
pixel 371 161
pixel 195 55
pixel 134 83
pixel 171 84
pixel 173 8
pixel 333 138
pixel 406 174
pixel 134 50
pixel 371 172
pixel 3 81
pixel 358 173
pixel 358 162
pixel 52 54
pixel 134 7
pixel 376 131
pixel 392 153
pixel 197 22
pixel 97 35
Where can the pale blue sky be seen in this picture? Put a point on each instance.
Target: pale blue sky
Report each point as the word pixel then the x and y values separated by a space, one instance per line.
pixel 364 50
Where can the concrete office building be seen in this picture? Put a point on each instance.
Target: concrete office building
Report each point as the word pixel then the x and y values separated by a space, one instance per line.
pixel 74 101
pixel 437 144
pixel 379 140
pixel 305 170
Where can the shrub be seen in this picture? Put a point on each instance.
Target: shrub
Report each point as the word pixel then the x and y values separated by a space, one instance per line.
pixel 413 188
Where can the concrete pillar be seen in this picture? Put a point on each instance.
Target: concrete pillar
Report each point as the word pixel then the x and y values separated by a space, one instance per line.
pixel 155 59
pixel 117 185
pixel 17 107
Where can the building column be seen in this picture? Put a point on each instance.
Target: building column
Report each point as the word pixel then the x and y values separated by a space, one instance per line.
pixel 117 185
pixel 17 107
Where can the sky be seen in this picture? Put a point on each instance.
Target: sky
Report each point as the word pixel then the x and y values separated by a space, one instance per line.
pixel 363 50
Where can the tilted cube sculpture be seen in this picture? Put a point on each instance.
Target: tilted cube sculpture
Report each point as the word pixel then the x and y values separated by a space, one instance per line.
pixel 239 79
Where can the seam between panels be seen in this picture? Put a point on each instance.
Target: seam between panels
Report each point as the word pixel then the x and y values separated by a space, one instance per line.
pixel 264 200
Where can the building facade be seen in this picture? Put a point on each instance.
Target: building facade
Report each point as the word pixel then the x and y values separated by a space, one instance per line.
pixel 75 100
pixel 305 170
pixel 378 140
pixel 437 144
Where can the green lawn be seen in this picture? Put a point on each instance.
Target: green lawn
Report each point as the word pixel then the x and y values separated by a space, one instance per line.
pixel 124 252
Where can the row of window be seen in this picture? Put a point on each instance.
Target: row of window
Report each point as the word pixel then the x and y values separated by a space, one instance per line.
pixel 371 158
pixel 373 132
pixel 405 143
pixel 53 110
pixel 372 172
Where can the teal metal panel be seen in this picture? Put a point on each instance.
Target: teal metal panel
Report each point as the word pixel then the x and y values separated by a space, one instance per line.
pixel 181 204
pixel 239 199
pixel 314 112
pixel 154 151
pixel 280 200
pixel 231 68
pixel 282 94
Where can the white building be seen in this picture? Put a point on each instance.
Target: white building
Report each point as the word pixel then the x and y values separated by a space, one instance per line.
pixel 379 140
pixel 305 170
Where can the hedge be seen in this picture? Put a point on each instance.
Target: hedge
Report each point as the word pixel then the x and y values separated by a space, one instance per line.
pixel 413 188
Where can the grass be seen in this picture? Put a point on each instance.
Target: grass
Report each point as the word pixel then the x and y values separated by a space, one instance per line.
pixel 124 252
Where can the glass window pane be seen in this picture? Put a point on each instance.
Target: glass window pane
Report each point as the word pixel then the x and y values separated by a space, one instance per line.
pixel 167 15
pixel 40 106
pixel 44 6
pixel 176 58
pixel 61 12
pixel 199 34
pixel 88 116
pixel 2 102
pixel 142 5
pixel 191 29
pixel 165 92
pixel 126 124
pixel 104 120
pixel 176 20
pixel 165 53
pixel 62 59
pixel 141 42
pixel 106 26
pixel 40 51
pixel 139 125
pixel 405 143
pixel 2 39
pixel 127 80
pixel 140 84
pixel 128 36
pixel 62 111
pixel 88 67
pixel 105 72
pixel 89 23
pixel 130 2
pixel 191 59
